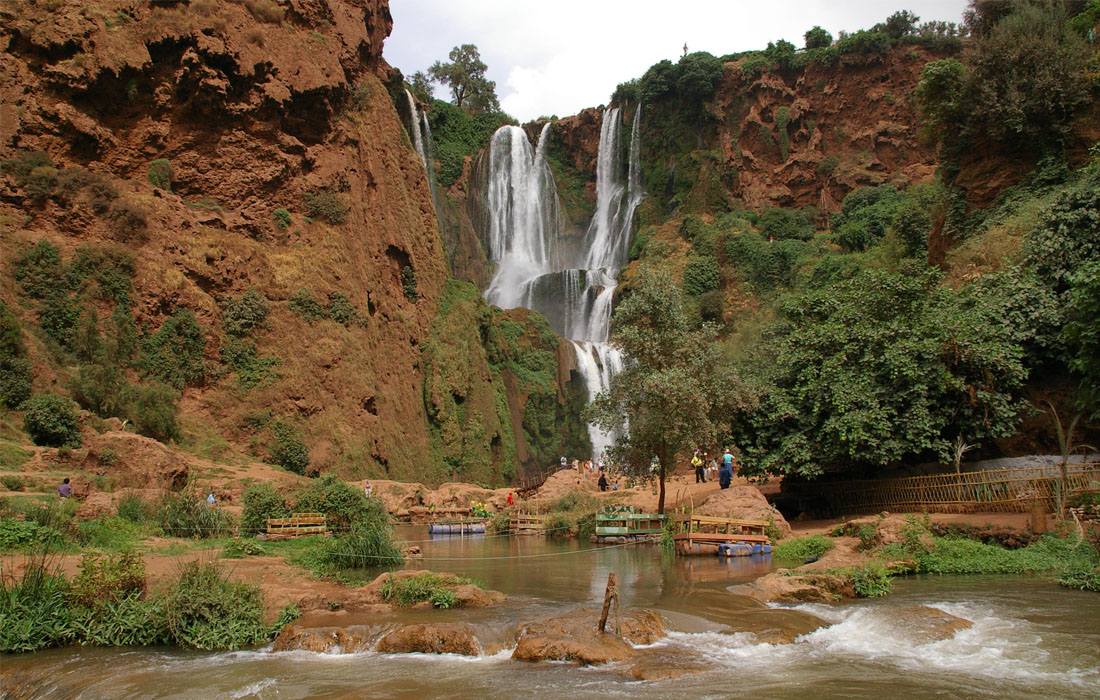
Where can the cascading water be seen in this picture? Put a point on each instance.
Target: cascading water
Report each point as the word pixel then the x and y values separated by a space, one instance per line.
pixel 414 129
pixel 539 269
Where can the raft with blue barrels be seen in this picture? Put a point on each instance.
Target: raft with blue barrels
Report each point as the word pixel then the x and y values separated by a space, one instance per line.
pixel 626 523
pixel 743 549
pixel 470 527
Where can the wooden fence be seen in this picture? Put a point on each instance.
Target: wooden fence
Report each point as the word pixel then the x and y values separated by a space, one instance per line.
pixel 1003 490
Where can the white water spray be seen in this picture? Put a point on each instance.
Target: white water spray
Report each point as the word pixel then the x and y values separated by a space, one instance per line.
pixel 414 129
pixel 538 269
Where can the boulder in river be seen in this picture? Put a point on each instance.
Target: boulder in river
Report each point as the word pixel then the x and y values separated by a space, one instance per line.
pixel 573 637
pixel 431 638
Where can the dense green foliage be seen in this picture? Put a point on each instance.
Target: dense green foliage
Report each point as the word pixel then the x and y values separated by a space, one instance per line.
pixel 16 374
pixel 245 313
pixel 429 587
pixel 457 134
pixel 160 174
pixel 288 448
pixel 802 548
pixel 882 367
pixel 261 501
pixel 174 354
pixel 51 421
pixel 188 514
pixel 106 605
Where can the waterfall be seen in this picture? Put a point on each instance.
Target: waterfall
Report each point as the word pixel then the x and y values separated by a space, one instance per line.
pixel 537 269
pixel 414 129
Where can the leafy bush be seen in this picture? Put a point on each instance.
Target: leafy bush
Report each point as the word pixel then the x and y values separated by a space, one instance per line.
pixel 41 183
pixel 38 269
pixel 342 504
pixel 154 409
pixel 341 310
pixel 785 224
pixel 160 174
pixel 189 515
pixel 134 509
pixel 865 214
pixel 245 313
pixel 871 581
pixel 205 610
pixel 817 38
pixel 701 275
pixel 411 590
pixel 864 42
pixel 174 354
pixel 11 482
pixel 108 533
pixel 28 534
pixel 16 378
pixel 303 304
pixel 1065 239
pixel 325 204
pixel 802 548
pixel 239 548
pixel 1082 577
pixel 51 421
pixel 964 556
pixel 261 501
pixel 252 369
pixel 712 306
pixel 408 283
pixel 287 448
pixel 369 543
pixel 282 218
pixel 108 578
pixel 23 163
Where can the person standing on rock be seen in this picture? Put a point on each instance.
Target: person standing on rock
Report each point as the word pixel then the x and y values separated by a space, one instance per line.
pixel 65 490
pixel 725 474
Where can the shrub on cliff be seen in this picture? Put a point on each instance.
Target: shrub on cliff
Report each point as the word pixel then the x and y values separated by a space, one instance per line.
pixel 245 313
pixel 160 174
pixel 154 408
pixel 817 38
pixel 701 275
pixel 325 204
pixel 128 218
pixel 51 421
pixel 174 354
pixel 287 448
pixel 15 370
pixel 303 304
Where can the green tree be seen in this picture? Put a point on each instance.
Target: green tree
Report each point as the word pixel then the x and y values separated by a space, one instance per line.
pixel 1082 334
pixel 879 368
pixel 817 38
pixel 465 76
pixel 420 84
pixel 51 420
pixel 675 391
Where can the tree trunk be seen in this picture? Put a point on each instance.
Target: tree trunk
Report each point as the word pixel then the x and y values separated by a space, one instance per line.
pixel 664 457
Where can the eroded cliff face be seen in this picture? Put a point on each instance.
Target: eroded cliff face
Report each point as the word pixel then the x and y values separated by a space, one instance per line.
pixel 257 107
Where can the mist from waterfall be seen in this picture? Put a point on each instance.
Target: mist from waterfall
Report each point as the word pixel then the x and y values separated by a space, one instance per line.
pixel 539 268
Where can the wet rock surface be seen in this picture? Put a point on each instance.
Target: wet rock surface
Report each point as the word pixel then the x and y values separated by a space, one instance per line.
pixel 431 638
pixel 574 637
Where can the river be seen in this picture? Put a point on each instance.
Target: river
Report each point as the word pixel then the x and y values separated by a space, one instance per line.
pixel 1029 639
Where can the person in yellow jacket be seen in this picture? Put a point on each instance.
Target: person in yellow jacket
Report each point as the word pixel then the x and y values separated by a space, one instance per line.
pixel 697 462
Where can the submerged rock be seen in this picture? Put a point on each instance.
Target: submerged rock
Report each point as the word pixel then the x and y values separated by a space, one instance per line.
pixel 573 637
pixel 923 624
pixel 324 639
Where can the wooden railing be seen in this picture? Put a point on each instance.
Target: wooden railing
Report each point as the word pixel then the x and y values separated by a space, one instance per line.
pixel 1003 490
pixel 297 524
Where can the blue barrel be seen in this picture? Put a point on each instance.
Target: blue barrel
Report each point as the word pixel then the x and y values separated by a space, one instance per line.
pixel 766 548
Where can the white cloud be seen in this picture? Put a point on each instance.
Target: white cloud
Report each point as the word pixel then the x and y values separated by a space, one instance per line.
pixel 558 58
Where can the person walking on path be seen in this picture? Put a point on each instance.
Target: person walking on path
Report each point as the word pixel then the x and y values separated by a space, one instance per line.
pixel 602 483
pixel 65 490
pixel 725 474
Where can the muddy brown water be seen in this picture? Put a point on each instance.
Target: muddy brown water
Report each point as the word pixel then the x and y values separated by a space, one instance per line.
pixel 1029 639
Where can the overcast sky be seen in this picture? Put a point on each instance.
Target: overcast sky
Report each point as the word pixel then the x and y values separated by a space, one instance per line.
pixel 560 57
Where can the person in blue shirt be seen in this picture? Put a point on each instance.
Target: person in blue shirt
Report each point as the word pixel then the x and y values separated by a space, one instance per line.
pixel 725 473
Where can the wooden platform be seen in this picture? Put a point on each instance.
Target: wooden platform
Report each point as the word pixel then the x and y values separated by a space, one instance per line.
pixel 526 524
pixel 690 529
pixel 615 522
pixel 297 525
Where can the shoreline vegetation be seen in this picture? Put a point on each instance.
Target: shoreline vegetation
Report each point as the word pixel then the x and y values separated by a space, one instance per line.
pixel 110 601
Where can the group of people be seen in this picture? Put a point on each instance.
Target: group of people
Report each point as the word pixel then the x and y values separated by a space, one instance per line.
pixel 707 467
pixel 590 468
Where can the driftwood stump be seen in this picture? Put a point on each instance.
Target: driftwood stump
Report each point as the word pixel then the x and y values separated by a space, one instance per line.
pixel 610 595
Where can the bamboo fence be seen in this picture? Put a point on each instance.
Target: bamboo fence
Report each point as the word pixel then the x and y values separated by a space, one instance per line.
pixel 1000 490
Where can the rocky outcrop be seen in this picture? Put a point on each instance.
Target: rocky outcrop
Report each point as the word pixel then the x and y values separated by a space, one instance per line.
pixel 923 624
pixel 437 638
pixel 744 502
pixel 574 637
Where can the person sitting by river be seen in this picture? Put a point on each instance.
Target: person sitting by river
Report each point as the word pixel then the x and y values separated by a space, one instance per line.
pixel 725 474
pixel 65 490
pixel 602 483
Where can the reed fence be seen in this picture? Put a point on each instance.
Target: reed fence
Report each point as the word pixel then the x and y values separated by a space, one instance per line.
pixel 999 490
